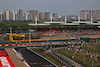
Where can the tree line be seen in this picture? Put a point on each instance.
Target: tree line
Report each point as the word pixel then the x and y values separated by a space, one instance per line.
pixel 20 27
pixel 23 27
pixel 17 27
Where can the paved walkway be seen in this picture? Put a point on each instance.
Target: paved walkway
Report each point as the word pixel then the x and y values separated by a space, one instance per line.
pixel 17 62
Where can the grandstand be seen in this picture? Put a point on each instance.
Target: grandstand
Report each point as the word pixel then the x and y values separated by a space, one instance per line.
pixel 74 29
pixel 68 32
pixel 84 29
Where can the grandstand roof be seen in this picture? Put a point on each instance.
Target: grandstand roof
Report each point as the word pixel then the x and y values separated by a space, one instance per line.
pixel 53 22
pixel 68 24
pixel 94 24
pixel 82 22
pixel 87 22
pixel 37 25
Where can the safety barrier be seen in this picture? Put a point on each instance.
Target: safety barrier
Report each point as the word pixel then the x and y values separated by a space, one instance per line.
pixel 59 59
pixel 43 44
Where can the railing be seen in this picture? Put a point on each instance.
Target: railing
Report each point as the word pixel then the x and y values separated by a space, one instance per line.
pixel 59 59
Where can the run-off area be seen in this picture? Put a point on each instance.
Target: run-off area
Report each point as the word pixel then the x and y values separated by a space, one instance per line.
pixel 5 60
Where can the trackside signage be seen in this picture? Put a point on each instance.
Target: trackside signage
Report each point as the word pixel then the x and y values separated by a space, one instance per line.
pixel 76 38
pixel 5 60
pixel 73 37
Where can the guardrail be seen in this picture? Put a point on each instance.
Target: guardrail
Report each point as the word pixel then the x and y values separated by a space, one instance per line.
pixel 41 44
pixel 59 59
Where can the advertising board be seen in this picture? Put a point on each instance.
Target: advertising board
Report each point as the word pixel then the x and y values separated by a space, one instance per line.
pixel 5 60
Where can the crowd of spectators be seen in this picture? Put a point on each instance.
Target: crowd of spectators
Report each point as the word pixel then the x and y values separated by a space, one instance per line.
pixel 68 32
pixel 86 52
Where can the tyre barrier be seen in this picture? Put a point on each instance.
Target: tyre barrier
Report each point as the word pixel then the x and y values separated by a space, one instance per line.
pixel 59 59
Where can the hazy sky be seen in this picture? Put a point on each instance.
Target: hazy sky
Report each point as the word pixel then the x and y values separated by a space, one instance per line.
pixel 62 7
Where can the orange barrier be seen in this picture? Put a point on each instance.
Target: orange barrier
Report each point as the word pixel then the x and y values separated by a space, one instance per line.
pixel 22 35
pixel 93 37
pixel 42 39
pixel 18 35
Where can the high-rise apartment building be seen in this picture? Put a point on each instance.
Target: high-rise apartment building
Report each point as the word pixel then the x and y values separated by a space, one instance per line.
pixel 16 16
pixel 72 17
pixel 98 14
pixel 1 16
pixel 55 15
pixel 27 16
pixel 20 15
pixel 30 16
pixel 94 14
pixel 47 16
pixel 91 13
pixel 88 14
pixel 83 14
pixel 41 16
pixel 34 14
pixel 6 15
pixel 11 15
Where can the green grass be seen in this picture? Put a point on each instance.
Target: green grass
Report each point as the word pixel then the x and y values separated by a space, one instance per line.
pixel 48 56
pixel 79 56
pixel 37 49
pixel 92 48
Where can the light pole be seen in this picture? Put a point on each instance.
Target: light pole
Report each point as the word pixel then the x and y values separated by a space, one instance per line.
pixel 92 63
pixel 10 30
pixel 84 60
pixel 0 30
pixel 30 35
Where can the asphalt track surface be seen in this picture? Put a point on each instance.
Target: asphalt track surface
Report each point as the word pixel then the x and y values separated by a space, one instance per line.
pixel 33 59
